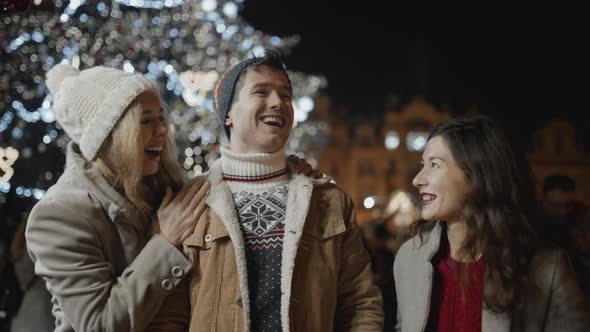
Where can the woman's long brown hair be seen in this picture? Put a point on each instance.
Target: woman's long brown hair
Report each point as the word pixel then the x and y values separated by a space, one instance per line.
pixel 496 210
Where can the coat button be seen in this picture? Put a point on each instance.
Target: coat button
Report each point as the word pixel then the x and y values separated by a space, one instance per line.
pixel 167 284
pixel 177 272
pixel 239 301
pixel 208 238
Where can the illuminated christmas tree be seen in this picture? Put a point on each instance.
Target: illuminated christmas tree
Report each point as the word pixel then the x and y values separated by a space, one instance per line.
pixel 183 45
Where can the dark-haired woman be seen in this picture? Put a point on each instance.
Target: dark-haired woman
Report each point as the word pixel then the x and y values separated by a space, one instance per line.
pixel 474 263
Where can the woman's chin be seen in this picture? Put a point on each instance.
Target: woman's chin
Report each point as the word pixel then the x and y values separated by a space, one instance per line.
pixel 150 166
pixel 150 171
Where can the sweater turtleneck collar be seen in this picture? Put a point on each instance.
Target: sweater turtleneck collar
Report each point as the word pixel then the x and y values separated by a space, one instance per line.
pixel 253 170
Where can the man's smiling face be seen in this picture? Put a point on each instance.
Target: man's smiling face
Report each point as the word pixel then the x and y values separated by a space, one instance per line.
pixel 261 117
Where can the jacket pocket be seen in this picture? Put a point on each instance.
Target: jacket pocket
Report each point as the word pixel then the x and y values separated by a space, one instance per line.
pixel 325 221
pixel 207 234
pixel 316 274
pixel 320 247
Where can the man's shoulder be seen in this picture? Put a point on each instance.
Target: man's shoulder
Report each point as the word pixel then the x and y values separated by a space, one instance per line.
pixel 330 192
pixel 326 187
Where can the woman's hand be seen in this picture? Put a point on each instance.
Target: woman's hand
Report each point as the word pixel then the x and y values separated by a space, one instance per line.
pixel 178 215
pixel 301 166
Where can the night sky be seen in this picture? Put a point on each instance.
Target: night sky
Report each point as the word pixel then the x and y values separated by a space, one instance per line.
pixel 521 63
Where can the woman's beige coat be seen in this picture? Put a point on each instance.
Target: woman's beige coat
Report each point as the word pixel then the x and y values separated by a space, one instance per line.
pixel 101 266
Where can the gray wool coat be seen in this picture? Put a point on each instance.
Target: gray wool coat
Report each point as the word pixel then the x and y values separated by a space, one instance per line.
pixel 104 270
pixel 554 301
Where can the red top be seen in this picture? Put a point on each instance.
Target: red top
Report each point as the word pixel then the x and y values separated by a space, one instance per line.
pixel 454 309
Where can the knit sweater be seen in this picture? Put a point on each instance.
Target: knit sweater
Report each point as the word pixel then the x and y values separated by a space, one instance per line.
pixel 457 307
pixel 258 182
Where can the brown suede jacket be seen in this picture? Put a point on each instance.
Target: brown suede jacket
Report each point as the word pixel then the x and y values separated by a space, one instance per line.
pixel 326 278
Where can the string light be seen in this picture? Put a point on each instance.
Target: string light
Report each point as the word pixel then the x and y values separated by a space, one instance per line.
pixel 7 158
pixel 182 45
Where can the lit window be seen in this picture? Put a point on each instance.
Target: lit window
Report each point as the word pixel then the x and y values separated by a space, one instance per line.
pixel 369 202
pixel 391 140
pixel 416 140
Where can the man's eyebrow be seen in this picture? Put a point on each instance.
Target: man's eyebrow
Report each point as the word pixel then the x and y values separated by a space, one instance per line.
pixel 261 85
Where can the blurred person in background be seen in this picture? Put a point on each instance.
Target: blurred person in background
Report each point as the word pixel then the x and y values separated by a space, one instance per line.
pixel 10 290
pixel 377 238
pixel 36 300
pixel 565 222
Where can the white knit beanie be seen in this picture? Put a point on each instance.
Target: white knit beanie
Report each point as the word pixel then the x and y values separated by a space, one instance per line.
pixel 89 103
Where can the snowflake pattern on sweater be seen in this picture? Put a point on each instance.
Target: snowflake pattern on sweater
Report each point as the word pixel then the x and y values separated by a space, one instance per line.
pixel 262 216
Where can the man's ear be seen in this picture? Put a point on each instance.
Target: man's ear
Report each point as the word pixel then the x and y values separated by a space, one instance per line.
pixel 228 121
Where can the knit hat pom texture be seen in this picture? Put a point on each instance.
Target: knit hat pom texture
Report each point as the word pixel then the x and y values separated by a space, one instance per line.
pixel 88 104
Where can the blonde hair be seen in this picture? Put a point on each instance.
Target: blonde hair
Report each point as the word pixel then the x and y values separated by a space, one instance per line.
pixel 120 160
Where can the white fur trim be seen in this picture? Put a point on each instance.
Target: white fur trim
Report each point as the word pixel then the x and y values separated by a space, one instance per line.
pixel 300 189
pixel 220 199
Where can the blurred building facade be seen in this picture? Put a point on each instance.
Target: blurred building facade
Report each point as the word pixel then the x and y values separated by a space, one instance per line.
pixel 373 160
pixel 555 150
